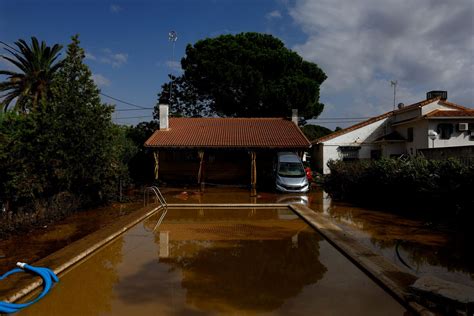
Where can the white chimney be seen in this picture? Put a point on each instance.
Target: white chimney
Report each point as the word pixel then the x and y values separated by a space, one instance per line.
pixel 294 116
pixel 164 117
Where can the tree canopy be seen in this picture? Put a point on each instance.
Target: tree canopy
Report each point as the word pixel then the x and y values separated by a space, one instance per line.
pixel 69 146
pixel 313 132
pixel 32 84
pixel 88 148
pixel 245 75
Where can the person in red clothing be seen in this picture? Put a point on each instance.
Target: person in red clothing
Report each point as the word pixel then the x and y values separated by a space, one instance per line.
pixel 309 174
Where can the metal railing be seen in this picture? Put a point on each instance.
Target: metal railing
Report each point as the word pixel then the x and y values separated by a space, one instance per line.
pixel 158 196
pixel 162 216
pixel 161 200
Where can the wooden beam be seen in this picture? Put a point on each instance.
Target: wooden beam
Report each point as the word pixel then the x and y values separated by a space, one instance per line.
pixel 253 171
pixel 156 155
pixel 201 166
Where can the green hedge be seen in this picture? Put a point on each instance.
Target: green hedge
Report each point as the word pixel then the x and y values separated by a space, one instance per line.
pixel 445 185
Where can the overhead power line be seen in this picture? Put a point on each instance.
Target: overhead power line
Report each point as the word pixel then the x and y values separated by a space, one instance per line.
pixel 132 117
pixel 140 107
pixel 125 102
pixel 125 110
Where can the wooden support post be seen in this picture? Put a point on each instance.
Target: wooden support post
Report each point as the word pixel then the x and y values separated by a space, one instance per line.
pixel 156 155
pixel 201 167
pixel 253 173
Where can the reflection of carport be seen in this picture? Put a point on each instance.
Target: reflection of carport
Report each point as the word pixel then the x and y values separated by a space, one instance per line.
pixel 227 224
pixel 220 252
pixel 233 230
pixel 224 150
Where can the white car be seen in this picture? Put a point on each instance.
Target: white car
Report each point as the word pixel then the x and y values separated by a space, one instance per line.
pixel 289 172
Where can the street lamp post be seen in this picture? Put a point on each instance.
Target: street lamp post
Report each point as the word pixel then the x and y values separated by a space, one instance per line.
pixel 432 135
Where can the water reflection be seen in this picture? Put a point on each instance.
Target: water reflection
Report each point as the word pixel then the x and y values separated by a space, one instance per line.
pixel 426 245
pixel 248 275
pixel 293 199
pixel 208 261
pixel 230 261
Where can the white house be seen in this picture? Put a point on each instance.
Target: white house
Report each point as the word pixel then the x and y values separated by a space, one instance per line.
pixel 409 130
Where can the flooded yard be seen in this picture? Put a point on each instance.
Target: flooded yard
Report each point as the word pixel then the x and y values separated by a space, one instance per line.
pixel 41 241
pixel 217 261
pixel 424 246
pixel 421 245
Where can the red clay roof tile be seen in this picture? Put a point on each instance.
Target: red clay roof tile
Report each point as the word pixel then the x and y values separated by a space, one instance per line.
pixel 351 128
pixel 455 106
pixel 229 133
pixel 382 116
pixel 453 113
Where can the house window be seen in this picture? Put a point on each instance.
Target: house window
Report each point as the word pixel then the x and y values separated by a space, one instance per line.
pixel 348 153
pixel 410 134
pixel 445 130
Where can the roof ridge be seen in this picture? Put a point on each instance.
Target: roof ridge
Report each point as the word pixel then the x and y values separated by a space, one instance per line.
pixel 456 106
pixel 230 133
pixel 353 127
pixel 450 113
pixel 417 104
pixel 387 114
pixel 374 119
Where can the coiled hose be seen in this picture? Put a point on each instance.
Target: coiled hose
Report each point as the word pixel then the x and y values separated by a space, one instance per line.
pixel 46 274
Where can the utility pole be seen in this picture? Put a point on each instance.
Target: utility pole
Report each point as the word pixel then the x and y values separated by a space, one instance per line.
pixel 394 85
pixel 172 37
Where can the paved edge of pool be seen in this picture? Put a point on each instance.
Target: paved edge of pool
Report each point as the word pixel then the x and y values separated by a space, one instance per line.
pixel 19 285
pixel 390 277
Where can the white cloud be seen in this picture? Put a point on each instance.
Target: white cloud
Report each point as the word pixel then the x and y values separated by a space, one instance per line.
pixel 107 56
pixel 115 8
pixel 275 14
pixel 361 45
pixel 90 56
pixel 101 80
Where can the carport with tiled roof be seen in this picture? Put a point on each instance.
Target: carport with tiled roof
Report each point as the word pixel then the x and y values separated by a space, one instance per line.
pixel 221 148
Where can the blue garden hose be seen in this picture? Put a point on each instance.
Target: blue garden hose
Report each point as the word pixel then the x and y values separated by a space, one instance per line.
pixel 46 274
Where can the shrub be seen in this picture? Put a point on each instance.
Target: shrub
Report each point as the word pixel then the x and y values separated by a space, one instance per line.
pixel 427 184
pixel 67 147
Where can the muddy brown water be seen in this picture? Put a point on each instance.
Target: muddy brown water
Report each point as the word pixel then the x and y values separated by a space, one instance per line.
pixel 217 261
pixel 422 245
pixel 428 248
pixel 43 240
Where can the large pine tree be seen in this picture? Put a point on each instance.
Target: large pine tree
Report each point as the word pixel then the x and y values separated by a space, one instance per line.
pixel 246 75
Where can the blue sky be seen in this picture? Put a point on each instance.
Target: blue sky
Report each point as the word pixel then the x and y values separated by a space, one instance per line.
pixel 361 45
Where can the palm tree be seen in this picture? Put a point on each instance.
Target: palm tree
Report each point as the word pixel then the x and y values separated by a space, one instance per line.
pixel 33 83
